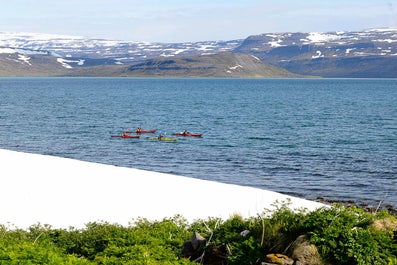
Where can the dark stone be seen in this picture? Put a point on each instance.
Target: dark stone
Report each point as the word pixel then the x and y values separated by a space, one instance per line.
pixel 194 248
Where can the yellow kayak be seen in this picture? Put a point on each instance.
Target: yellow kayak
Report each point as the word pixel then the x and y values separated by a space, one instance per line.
pixel 167 139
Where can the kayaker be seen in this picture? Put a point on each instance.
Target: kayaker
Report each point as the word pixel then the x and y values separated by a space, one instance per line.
pixel 160 136
pixel 124 135
pixel 138 130
pixel 185 132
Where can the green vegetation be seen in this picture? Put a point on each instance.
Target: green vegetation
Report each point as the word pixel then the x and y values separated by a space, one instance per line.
pixel 341 235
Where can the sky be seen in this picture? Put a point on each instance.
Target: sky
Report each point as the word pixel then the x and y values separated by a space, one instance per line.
pixel 192 20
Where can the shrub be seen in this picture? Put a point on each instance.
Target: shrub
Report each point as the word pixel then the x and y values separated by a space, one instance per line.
pixel 342 236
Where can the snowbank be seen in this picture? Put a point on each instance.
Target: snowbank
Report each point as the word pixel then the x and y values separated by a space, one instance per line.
pixel 64 192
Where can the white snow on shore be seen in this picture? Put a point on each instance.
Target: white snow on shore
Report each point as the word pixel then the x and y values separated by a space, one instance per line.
pixel 64 192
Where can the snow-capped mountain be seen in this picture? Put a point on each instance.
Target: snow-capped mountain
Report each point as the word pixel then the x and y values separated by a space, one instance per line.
pixel 367 53
pixel 110 51
pixel 372 42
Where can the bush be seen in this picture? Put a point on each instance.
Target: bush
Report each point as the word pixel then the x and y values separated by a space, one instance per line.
pixel 342 236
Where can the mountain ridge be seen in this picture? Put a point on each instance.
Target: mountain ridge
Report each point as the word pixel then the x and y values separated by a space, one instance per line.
pixel 367 53
pixel 221 65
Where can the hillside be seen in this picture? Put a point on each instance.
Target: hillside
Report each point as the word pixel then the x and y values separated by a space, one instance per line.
pixel 29 63
pixel 219 65
pixel 102 51
pixel 368 53
pixel 350 54
pixel 225 65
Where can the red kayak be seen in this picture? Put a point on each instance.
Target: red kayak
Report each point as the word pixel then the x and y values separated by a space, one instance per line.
pixel 145 131
pixel 188 134
pixel 141 131
pixel 125 136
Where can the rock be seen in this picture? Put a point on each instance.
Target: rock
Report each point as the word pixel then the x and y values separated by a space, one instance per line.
pixel 198 241
pixel 215 255
pixel 197 249
pixel 305 253
pixel 245 233
pixel 386 224
pixel 279 259
pixel 193 248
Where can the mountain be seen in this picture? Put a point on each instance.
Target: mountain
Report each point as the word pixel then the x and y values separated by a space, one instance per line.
pixel 102 51
pixel 368 53
pixel 20 62
pixel 224 64
pixel 75 56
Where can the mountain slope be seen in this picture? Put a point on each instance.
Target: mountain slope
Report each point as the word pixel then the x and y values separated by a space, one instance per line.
pixel 19 62
pixel 29 63
pixel 225 64
pixel 365 54
pixel 219 65
pixel 368 53
pixel 111 51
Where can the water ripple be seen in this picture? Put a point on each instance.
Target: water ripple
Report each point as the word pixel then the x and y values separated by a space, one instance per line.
pixel 310 138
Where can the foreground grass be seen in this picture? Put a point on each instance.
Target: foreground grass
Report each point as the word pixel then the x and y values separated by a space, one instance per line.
pixel 341 235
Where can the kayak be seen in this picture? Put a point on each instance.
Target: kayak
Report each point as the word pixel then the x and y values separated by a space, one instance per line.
pixel 125 136
pixel 145 131
pixel 188 134
pixel 167 139
pixel 141 131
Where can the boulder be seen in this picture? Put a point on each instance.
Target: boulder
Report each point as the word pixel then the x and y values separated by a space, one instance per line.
pixel 304 253
pixel 194 248
pixel 386 224
pixel 197 249
pixel 278 259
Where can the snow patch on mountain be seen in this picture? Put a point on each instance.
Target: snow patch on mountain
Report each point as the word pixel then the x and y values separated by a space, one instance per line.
pixel 317 37
pixel 20 51
pixel 235 67
pixel 349 50
pixel 318 55
pixel 276 43
pixel 25 59
pixel 66 63
pixel 387 40
pixel 7 50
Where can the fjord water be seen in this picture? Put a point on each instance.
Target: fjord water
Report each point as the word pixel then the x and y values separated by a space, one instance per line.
pixel 331 138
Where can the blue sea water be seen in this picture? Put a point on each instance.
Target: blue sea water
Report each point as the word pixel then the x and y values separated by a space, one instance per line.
pixel 331 138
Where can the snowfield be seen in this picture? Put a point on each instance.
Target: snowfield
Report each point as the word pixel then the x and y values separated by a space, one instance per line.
pixel 64 192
